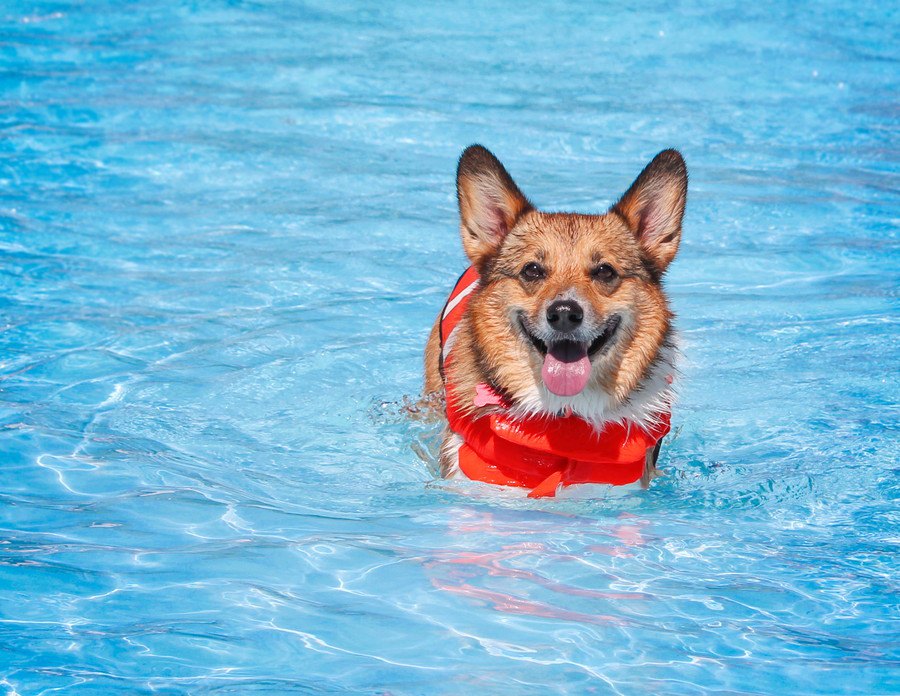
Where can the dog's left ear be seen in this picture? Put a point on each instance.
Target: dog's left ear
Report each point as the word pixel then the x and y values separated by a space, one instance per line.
pixel 654 206
pixel 489 203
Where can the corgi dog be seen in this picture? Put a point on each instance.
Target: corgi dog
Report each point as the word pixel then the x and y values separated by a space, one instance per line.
pixel 557 344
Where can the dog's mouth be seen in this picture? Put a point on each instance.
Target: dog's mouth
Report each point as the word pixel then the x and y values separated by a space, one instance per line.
pixel 567 363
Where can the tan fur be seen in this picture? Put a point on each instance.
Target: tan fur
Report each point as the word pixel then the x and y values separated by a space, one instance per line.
pixel 433 382
pixel 501 233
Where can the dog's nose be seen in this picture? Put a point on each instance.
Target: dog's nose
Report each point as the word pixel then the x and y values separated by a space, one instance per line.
pixel 565 315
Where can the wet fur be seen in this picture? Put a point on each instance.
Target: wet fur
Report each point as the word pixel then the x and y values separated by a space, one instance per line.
pixel 630 379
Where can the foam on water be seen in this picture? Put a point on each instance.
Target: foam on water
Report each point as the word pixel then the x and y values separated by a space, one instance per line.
pixel 225 230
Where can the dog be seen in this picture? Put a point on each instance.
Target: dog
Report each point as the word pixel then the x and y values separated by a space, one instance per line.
pixel 554 357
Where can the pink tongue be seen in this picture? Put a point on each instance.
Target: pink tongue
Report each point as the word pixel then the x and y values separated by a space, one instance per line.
pixel 566 372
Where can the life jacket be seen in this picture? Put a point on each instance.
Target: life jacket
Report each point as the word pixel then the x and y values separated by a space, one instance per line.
pixel 537 452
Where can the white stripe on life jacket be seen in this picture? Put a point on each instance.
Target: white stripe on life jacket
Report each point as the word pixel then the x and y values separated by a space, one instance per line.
pixel 459 298
pixel 448 343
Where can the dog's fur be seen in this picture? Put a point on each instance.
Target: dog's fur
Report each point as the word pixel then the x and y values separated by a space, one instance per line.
pixel 611 264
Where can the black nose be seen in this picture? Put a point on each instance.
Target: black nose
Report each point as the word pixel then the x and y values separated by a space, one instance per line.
pixel 565 315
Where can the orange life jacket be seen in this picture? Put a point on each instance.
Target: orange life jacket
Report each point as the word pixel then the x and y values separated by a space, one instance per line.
pixel 540 453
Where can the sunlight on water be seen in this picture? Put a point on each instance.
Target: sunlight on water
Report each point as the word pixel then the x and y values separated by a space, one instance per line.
pixel 225 230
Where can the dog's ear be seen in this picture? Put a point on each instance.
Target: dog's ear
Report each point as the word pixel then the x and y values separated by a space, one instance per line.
pixel 654 206
pixel 489 203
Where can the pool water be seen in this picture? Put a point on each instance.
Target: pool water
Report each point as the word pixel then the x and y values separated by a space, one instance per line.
pixel 225 230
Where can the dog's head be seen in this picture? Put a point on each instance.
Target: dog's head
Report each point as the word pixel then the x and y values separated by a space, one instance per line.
pixel 571 312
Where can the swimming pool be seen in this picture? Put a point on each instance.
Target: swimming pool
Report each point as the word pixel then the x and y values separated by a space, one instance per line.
pixel 225 230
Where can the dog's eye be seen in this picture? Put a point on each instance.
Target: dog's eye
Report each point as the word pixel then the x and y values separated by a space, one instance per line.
pixel 604 272
pixel 532 271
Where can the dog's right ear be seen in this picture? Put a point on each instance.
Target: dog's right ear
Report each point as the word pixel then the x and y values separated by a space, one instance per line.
pixel 489 203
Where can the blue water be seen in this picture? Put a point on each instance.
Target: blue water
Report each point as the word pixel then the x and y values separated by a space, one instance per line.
pixel 225 230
